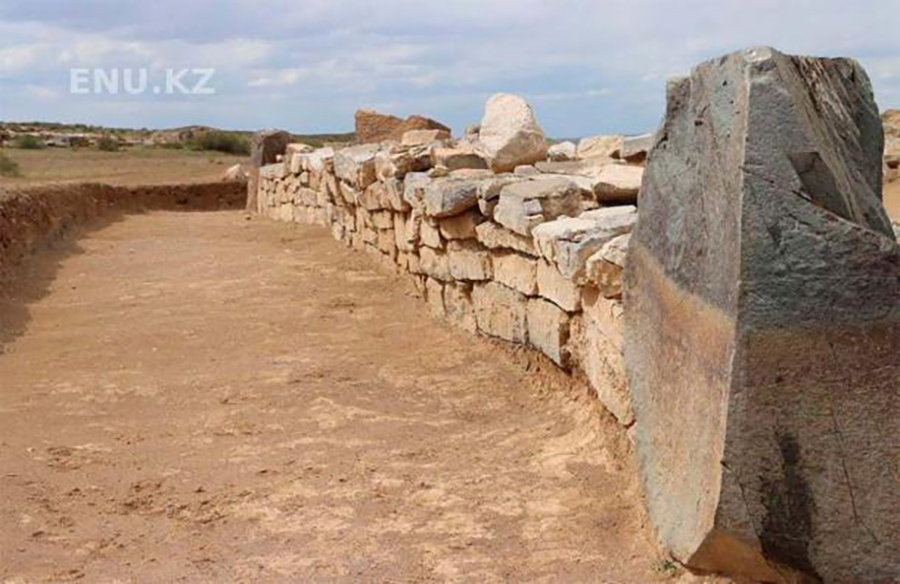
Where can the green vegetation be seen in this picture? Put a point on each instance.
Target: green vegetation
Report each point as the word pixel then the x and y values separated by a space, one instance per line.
pixel 108 144
pixel 9 167
pixel 28 142
pixel 320 140
pixel 227 142
pixel 666 568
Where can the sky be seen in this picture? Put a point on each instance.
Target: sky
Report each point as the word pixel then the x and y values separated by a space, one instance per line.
pixel 586 66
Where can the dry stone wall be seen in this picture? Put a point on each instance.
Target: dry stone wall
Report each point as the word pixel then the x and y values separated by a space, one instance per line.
pixel 532 257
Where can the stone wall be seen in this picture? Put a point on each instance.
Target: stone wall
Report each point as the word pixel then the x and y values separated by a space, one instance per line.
pixel 533 257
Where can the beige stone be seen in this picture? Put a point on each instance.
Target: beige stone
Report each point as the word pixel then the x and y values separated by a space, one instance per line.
pixel 516 271
pixel 421 137
pixel 501 312
pixel 434 263
pixel 469 261
pixel 510 134
pixel 494 236
pixel 554 287
pixel 461 226
pixel 548 330
pixel 458 306
pixel 434 296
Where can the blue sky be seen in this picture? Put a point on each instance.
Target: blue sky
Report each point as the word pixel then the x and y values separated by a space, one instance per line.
pixel 586 66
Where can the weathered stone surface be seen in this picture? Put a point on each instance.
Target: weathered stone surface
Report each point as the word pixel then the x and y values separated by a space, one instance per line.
pixel 468 261
pixel 267 145
pixel 562 151
pixel 526 204
pixel 430 233
pixel 356 165
pixel 458 306
pixel 510 134
pixel 494 236
pixel 768 433
pixel 636 148
pixel 568 242
pixel 597 342
pixel 461 226
pixel 618 183
pixel 501 312
pixel 434 263
pixel 374 127
pixel 451 195
pixel 421 137
pixel 564 292
pixel 548 330
pixel 606 267
pixel 434 296
pixel 458 159
pixel 600 146
pixel 516 271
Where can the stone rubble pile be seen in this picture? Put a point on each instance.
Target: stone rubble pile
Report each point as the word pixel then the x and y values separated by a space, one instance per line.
pixel 497 238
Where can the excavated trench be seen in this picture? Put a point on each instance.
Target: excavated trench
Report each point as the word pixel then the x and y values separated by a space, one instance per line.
pixel 204 396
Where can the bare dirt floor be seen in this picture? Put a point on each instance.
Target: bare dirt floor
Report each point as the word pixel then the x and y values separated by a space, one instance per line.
pixel 204 397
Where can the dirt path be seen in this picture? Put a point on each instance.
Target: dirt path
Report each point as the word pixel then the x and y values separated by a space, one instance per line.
pixel 199 397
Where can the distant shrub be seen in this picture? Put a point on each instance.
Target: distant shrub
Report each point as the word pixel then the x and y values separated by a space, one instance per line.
pixel 108 144
pixel 29 142
pixel 9 167
pixel 221 142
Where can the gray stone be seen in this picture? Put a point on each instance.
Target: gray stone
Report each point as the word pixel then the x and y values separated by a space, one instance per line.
pixel 356 165
pixel 451 195
pixel 768 434
pixel 568 242
pixel 525 205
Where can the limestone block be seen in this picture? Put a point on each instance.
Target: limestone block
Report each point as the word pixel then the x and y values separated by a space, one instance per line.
pixel 600 146
pixel 501 312
pixel 618 184
pixel 516 271
pixel 458 158
pixel 525 205
pixel 568 242
pixel 548 330
pixel 458 306
pixel 461 226
pixel 434 263
pixel 605 268
pixel 434 296
pixel 493 236
pixel 469 261
pixel 430 234
pixel 422 137
pixel 356 165
pixel 562 151
pixel 553 286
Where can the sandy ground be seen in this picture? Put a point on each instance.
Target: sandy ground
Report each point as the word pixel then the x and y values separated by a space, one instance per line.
pixel 134 166
pixel 203 397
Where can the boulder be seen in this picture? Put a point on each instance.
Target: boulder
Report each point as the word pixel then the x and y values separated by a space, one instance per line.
pixel 568 242
pixel 599 147
pixel 562 152
pixel 762 336
pixel 510 134
pixel 526 204
pixel 234 173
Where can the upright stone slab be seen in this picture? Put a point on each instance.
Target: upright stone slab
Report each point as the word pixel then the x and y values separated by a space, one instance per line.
pixel 265 147
pixel 763 324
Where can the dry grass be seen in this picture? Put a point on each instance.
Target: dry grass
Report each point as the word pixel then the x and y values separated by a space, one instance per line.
pixel 127 167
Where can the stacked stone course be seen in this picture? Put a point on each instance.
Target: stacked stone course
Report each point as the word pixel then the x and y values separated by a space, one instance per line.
pixel 533 256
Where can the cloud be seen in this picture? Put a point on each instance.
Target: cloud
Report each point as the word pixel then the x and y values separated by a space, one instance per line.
pixel 589 66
